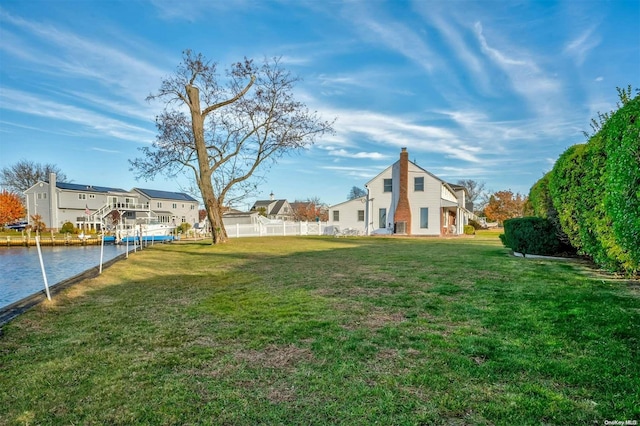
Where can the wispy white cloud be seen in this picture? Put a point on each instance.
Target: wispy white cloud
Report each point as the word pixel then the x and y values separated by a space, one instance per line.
pixel 580 46
pixel 540 90
pixel 81 57
pixel 26 103
pixel 357 172
pixel 399 131
pixel 392 34
pixel 107 151
pixel 453 35
pixel 356 155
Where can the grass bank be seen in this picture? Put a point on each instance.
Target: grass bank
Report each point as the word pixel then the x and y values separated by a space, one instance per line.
pixel 328 331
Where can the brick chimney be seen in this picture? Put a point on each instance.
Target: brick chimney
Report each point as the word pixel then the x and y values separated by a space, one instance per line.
pixel 403 210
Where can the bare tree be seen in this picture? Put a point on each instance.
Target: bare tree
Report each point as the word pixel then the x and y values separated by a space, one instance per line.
pixel 476 191
pixel 24 174
pixel 224 128
pixel 356 192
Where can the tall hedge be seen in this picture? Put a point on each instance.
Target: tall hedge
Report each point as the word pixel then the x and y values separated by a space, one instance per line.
pixel 540 204
pixel 622 139
pixel 595 189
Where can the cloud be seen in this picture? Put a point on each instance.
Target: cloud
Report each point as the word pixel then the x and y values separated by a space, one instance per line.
pixel 357 172
pixel 580 46
pixel 26 103
pixel 108 151
pixel 80 57
pixel 357 155
pixel 527 79
pixel 394 35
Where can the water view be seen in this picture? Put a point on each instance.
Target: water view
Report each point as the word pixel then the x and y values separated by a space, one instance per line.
pixel 21 275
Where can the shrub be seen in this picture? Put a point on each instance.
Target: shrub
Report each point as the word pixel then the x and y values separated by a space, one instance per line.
pixel 469 230
pixel 67 227
pixel 475 224
pixel 531 235
pixel 183 227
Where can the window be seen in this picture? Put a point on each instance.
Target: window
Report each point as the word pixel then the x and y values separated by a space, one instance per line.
pixel 387 186
pixel 82 196
pixel 193 207
pixel 42 195
pixel 336 215
pixel 158 205
pixel 92 196
pixel 424 217
pixel 360 215
pixel 382 217
pixel 183 206
pixel 174 205
pixel 418 184
pixel 184 219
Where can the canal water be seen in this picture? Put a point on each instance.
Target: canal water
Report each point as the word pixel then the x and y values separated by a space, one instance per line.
pixel 21 276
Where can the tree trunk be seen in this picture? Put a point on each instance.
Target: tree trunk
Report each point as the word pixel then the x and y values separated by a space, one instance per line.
pixel 211 204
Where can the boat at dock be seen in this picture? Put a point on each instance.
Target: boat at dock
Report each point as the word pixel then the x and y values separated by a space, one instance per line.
pixel 147 232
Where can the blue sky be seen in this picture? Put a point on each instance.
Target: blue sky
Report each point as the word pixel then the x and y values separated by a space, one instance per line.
pixel 486 90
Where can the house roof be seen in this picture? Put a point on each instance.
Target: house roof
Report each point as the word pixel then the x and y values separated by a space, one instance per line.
pixel 89 188
pixel 276 209
pixel 262 203
pixel 362 200
pixel 165 195
pixel 456 187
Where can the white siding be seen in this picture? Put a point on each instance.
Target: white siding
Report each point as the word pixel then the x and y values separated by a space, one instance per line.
pixel 348 215
pixel 429 198
pixel 379 199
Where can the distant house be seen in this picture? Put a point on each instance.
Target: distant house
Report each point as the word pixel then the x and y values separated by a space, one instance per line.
pixel 170 207
pixel 236 217
pixel 88 206
pixel 274 209
pixel 405 199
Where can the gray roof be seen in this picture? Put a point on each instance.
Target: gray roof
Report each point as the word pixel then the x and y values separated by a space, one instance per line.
pixel 166 195
pixel 78 187
pixel 277 207
pixel 263 203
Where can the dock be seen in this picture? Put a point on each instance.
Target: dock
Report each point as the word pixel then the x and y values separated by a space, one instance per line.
pixel 72 240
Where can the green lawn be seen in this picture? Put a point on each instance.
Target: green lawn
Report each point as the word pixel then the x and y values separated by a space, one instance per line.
pixel 315 330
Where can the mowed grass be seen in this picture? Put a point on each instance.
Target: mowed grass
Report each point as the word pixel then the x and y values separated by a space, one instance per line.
pixel 315 330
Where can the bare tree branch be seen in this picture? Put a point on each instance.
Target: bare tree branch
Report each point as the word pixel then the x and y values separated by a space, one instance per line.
pixel 234 124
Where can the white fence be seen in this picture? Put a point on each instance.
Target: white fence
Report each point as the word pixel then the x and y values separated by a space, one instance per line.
pixel 279 229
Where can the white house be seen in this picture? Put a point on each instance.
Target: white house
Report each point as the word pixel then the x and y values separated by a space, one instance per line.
pixel 406 199
pixel 350 214
pixel 89 206
pixel 274 209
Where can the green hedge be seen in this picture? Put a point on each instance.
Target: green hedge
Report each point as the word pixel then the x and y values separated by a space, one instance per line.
pixel 469 230
pixel 595 191
pixel 531 235
pixel 622 181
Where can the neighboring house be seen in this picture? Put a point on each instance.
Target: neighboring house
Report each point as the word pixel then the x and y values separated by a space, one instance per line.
pixel 88 206
pixel 350 214
pixel 274 209
pixel 169 207
pixel 408 200
pixel 236 217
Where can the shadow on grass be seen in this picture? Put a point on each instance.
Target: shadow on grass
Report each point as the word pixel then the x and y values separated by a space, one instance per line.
pixel 319 330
